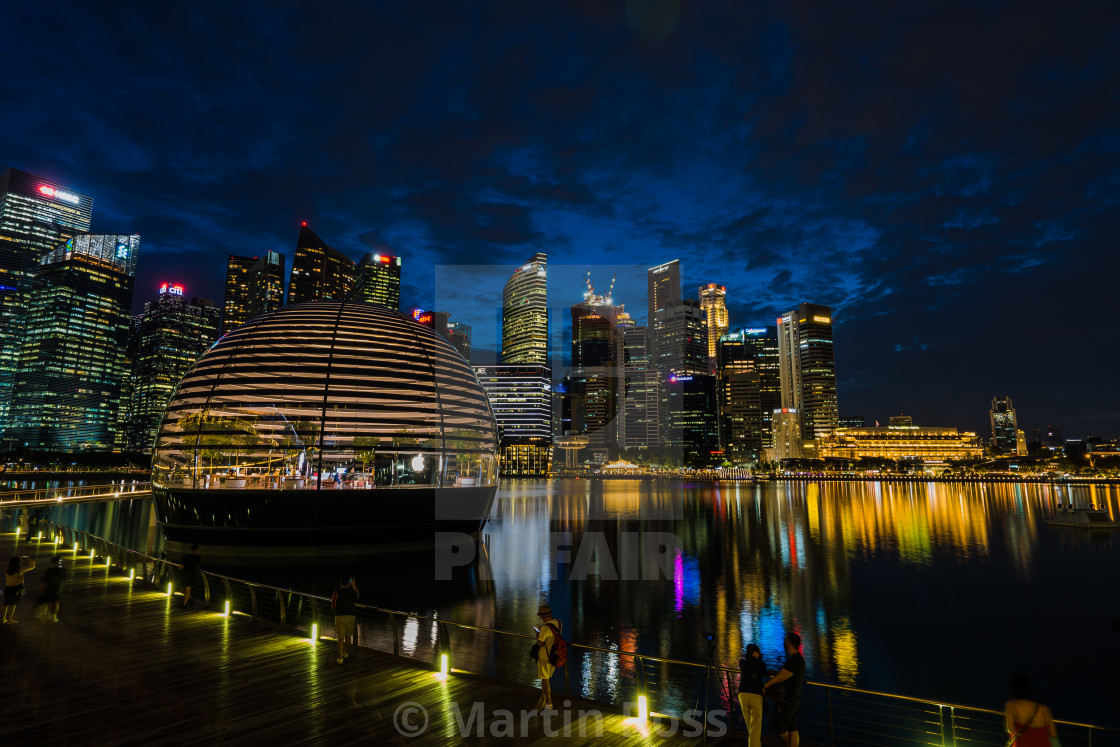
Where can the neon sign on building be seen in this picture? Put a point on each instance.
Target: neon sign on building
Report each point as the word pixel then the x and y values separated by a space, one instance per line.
pixel 58 194
pixel 173 289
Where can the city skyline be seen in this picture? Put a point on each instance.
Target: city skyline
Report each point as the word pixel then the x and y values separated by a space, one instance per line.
pixel 952 209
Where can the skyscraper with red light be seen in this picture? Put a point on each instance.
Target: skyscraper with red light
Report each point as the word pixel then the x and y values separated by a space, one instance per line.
pixel 35 215
pixel 378 281
pixel 319 273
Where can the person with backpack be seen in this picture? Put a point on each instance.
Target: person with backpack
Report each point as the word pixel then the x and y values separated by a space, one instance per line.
pixel 552 653
pixel 345 614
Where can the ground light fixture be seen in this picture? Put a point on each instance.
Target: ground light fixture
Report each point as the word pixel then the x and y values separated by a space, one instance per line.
pixel 643 708
pixel 227 609
pixel 169 589
pixel 444 664
pixel 314 633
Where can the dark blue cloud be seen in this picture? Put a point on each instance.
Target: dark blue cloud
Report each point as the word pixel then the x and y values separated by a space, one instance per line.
pixel 946 175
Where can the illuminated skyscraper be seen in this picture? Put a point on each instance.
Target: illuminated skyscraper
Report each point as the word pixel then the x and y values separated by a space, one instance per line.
pixel 235 307
pixel 35 216
pixel 749 389
pixel 319 273
pixel 71 374
pixel 594 377
pixel 254 286
pixel 808 368
pixel 1004 424
pixel 525 313
pixel 681 355
pixel 521 399
pixel 172 334
pixel 378 281
pixel 457 333
pixel 664 286
pixel 266 284
pixel 713 302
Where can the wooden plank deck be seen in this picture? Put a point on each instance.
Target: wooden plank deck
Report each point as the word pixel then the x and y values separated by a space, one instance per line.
pixel 126 665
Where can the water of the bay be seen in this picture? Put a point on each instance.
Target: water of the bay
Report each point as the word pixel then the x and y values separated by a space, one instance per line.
pixel 932 590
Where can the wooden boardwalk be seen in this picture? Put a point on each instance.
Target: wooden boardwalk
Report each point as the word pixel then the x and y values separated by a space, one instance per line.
pixel 127 665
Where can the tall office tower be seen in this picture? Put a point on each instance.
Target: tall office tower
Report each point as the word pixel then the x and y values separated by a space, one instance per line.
pixel 664 283
pixel 808 369
pixel 521 398
pixel 254 286
pixel 739 393
pixel 713 302
pixel 36 215
pixel 680 347
pixel 637 394
pixel 1004 424
pixel 594 389
pixel 319 273
pixel 235 306
pixel 525 313
pixel 172 334
pixel 1053 435
pixel 71 375
pixel 266 284
pixel 378 281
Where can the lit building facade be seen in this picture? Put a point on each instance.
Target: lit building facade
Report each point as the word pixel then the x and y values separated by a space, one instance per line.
pixel 593 392
pixel 457 333
pixel 808 369
pixel 319 273
pixel 906 442
pixel 521 399
pixel 639 402
pixel 693 431
pixel 525 314
pixel 786 425
pixel 680 350
pixel 71 376
pixel 1004 424
pixel 36 215
pixel 172 334
pixel 713 302
pixel 254 286
pixel 377 280
pixel 749 390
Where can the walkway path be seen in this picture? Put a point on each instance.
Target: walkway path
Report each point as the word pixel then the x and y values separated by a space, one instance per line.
pixel 126 665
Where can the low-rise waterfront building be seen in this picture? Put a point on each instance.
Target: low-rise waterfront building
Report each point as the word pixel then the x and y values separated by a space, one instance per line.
pixel 908 442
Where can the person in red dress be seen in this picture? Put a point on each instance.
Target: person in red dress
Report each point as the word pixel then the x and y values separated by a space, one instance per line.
pixel 1028 722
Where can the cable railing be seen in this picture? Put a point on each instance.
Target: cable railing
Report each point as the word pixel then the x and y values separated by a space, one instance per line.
pixel 44 496
pixel 630 681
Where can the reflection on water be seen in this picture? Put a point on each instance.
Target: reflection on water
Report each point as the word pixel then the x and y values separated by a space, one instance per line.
pixel 930 590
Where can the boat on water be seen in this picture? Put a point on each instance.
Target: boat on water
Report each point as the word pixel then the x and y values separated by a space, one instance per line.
pixel 1084 518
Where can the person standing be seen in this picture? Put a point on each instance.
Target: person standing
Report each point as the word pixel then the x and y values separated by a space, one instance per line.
pixel 547 634
pixel 13 585
pixel 751 673
pixel 344 604
pixel 1028 722
pixel 51 588
pixel 792 674
pixel 191 565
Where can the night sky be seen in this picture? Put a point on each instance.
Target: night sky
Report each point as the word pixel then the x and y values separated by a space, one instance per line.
pixel 945 175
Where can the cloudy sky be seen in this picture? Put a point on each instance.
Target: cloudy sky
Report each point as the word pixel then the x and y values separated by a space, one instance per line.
pixel 945 175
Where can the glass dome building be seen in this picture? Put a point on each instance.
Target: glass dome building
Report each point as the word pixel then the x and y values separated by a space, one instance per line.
pixel 323 428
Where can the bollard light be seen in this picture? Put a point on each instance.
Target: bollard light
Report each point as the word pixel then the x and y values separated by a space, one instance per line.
pixel 314 632
pixel 75 547
pixel 227 608
pixel 131 573
pixel 169 588
pixel 444 664
pixel 643 708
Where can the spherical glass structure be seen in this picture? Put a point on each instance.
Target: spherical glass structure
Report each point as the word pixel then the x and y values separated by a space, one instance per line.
pixel 346 397
pixel 323 389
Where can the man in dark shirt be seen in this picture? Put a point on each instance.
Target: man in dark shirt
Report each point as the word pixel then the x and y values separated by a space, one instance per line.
pixel 345 614
pixel 52 586
pixel 793 675
pixel 751 673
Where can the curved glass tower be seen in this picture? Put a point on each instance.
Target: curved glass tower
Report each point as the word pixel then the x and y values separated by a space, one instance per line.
pixel 525 314
pixel 325 424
